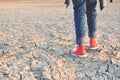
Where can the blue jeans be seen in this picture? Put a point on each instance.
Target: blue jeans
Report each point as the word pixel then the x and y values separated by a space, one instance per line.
pixel 81 9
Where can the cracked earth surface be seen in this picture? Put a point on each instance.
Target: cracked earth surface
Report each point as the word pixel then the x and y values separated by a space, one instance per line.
pixel 36 41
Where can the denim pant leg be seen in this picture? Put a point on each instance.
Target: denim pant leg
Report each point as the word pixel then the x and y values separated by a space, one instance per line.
pixel 91 18
pixel 79 7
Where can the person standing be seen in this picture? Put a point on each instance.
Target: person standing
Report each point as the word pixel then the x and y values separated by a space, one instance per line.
pixel 83 8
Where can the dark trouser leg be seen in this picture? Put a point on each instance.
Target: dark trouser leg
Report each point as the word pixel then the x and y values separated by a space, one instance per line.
pixel 79 19
pixel 91 18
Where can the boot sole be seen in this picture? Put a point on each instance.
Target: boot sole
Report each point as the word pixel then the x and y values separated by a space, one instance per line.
pixel 95 47
pixel 82 56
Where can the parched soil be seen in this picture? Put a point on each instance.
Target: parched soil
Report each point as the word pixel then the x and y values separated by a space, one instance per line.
pixel 36 40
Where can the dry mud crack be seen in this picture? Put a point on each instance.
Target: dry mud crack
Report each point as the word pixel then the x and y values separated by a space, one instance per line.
pixel 36 41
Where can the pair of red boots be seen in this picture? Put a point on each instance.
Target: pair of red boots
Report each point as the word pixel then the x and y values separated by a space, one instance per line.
pixel 80 49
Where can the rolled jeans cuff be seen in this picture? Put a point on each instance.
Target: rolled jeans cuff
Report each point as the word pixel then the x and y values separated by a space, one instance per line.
pixel 92 34
pixel 79 41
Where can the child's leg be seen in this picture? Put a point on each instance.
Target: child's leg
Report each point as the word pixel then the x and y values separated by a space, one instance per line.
pixel 79 19
pixel 91 17
pixel 91 20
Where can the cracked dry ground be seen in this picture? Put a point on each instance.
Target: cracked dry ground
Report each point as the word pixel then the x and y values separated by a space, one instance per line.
pixel 36 40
